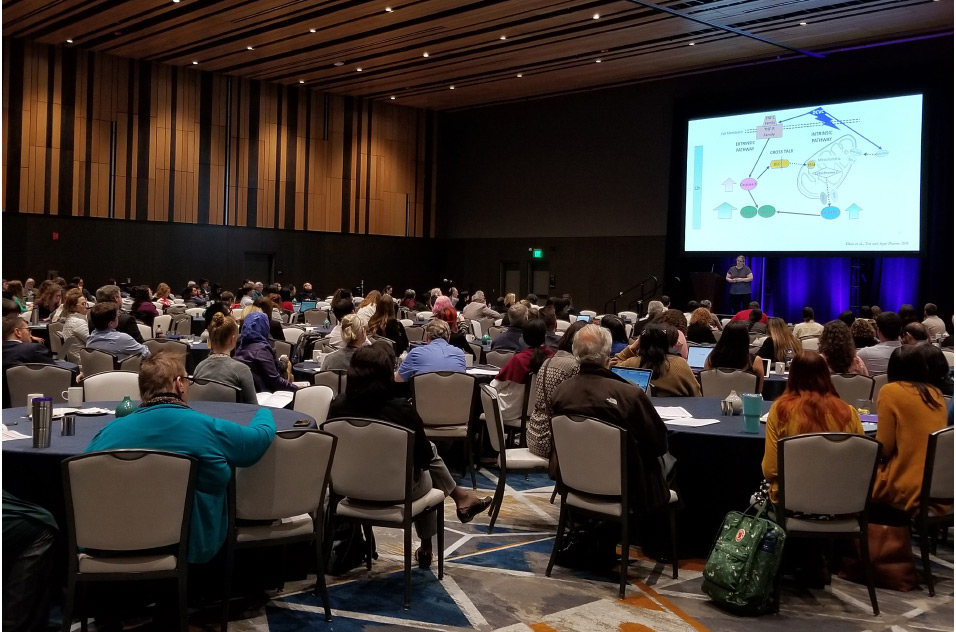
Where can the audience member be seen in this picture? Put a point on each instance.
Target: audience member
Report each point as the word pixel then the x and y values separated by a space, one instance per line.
pixel 29 555
pixel 732 351
pixel 162 295
pixel 551 336
pixel 354 337
pixel 714 321
pixel 808 327
pixel 143 308
pixel 555 370
pixel 257 353
pixel 14 291
pixel 164 421
pixel 219 366
pixel 127 324
pixel 78 283
pixel 745 314
pixel 409 301
pixel 914 333
pixel 211 311
pixel 436 355
pixel 908 314
pixel 888 326
pixel 75 309
pixel 29 290
pixel 246 295
pixel 779 342
pixel 940 375
pixel 267 307
pixel 838 351
pixel 671 376
pixel 383 323
pixel 340 309
pixel 757 322
pixel 847 317
pixel 700 328
pixel 456 339
pixel 48 301
pixel 934 324
pixel 864 335
pixel 511 338
pixel 654 309
pixel 105 317
pixel 18 344
pixel 618 332
pixel 306 294
pixel 477 309
pixel 675 318
pixel 511 381
pixel 257 290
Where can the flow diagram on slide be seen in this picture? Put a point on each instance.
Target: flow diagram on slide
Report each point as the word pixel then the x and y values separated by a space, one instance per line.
pixel 809 170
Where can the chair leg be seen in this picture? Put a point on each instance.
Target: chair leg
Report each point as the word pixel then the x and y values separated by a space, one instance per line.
pixel 471 460
pixel 68 605
pixel 227 586
pixel 554 493
pixel 868 567
pixel 369 546
pixel 320 587
pixel 625 554
pixel 408 564
pixel 441 540
pixel 499 497
pixel 924 548
pixel 184 601
pixel 562 517
pixel 672 518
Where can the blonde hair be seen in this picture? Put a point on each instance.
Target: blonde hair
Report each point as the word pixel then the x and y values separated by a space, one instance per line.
pixel 248 309
pixel 370 299
pixel 352 329
pixel 162 290
pixel 221 329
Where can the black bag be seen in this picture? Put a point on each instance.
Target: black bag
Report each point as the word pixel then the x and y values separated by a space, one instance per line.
pixel 589 546
pixel 348 548
pixel 302 350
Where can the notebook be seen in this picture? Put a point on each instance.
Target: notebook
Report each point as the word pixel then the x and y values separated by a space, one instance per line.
pixel 696 356
pixel 641 377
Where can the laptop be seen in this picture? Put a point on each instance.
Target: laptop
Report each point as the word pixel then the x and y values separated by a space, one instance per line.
pixel 766 366
pixel 696 356
pixel 641 377
pixel 307 305
pixel 584 318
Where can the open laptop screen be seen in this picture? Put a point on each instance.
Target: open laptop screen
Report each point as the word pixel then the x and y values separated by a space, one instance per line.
pixel 307 305
pixel 641 377
pixel 584 318
pixel 696 356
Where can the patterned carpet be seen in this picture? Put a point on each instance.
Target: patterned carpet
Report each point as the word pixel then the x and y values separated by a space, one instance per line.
pixel 496 582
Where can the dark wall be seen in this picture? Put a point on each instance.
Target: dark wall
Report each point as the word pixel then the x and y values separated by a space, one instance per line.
pixel 154 252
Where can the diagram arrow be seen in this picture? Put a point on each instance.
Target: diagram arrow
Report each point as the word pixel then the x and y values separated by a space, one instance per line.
pixel 752 198
pixel 758 158
pixel 853 130
pixel 728 185
pixel 789 213
pixel 763 172
pixel 854 211
pixel 724 210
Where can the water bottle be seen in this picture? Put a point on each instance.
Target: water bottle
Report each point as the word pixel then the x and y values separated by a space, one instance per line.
pixel 789 358
pixel 125 407
pixel 326 323
pixel 159 331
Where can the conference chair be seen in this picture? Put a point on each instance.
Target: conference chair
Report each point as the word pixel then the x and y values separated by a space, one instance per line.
pixel 95 361
pixel 937 490
pixel 824 489
pixel 313 401
pixel 518 426
pixel 111 386
pixel 602 492
pixel 157 345
pixel 487 322
pixel 719 382
pixel 811 343
pixel 49 379
pixel 948 353
pixel 145 331
pixel 477 351
pixel 588 312
pixel 563 325
pixel 444 400
pixel 372 474
pixel 282 348
pixel 181 324
pixel 292 334
pixel 163 323
pixel 127 519
pixel 628 315
pixel 195 312
pixel 281 500
pixel 56 339
pixel 237 313
pixel 498 358
pixel 334 379
pixel 851 387
pixel 415 333
pixel 130 363
pixel 476 329
pixel 495 331
pixel 879 381
pixel 203 390
pixel 508 458
pixel 315 317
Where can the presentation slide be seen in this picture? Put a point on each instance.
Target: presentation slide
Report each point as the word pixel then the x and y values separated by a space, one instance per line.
pixel 838 177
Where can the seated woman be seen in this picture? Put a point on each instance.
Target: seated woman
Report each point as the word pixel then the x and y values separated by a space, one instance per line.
pixel 671 375
pixel 369 393
pixel 49 299
pixel 354 337
pixel 448 314
pixel 143 309
pixel 163 295
pixel 732 351
pixel 75 322
pixel 864 335
pixel 210 313
pixel 837 348
pixel 809 404
pixel 675 318
pixel 219 366
pixel 409 300
pixel 383 323
pixel 268 307
pixel 618 333
pixel 367 307
pixel 257 353
pixel 14 292
pixel 909 409
pixel 510 383
pixel 164 421
pixel 699 330
pixel 779 342
pixel 555 370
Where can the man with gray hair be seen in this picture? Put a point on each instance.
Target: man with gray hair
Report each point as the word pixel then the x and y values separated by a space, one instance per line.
pixel 437 355
pixel 714 321
pixel 654 308
pixel 126 324
pixel 599 393
pixel 511 339
pixel 478 309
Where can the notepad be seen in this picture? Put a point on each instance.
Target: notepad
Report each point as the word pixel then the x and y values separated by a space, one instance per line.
pixel 691 423
pixel 672 412
pixel 279 399
pixel 11 435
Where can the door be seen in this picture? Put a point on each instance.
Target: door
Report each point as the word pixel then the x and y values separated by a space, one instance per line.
pixel 258 266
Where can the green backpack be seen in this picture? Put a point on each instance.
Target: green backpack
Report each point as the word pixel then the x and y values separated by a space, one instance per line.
pixel 741 571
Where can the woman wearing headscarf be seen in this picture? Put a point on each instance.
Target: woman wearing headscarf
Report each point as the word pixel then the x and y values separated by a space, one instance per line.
pixel 257 353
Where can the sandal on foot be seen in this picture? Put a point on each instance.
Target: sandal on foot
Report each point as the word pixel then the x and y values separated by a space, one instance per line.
pixel 466 514
pixel 423 557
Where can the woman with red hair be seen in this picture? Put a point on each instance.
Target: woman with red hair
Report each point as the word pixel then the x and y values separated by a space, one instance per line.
pixel 810 404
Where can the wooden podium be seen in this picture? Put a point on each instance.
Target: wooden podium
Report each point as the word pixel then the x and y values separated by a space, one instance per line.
pixel 710 286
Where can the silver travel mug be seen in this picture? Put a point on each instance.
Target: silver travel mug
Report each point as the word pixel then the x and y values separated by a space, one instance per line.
pixel 68 425
pixel 42 420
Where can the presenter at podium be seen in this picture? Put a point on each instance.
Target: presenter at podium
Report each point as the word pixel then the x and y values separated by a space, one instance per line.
pixel 739 278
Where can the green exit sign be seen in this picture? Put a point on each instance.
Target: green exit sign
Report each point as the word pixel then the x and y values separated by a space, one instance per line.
pixel 537 253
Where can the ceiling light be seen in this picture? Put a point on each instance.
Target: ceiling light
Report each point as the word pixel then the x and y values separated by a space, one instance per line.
pixel 358 70
pixel 69 41
pixel 691 44
pixel 195 63
pixel 388 9
pixel 803 24
pixel 339 63
pixel 451 87
pixel 597 61
pixel 249 48
pixel 425 54
pixel 311 30
pixel 392 97
pixel 176 1
pixel 596 16
pixel 503 37
pixel 519 75
pixel 301 80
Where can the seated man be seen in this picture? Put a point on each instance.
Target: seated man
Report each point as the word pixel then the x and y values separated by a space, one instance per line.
pixel 127 324
pixel 599 393
pixel 306 294
pixel 808 327
pixel 437 355
pixel 876 358
pixel 29 533
pixel 104 318
pixel 744 314
pixel 477 309
pixel 552 337
pixel 342 308
pixel 934 324
pixel 164 421
pixel 18 344
pixel 510 339
pixel 914 333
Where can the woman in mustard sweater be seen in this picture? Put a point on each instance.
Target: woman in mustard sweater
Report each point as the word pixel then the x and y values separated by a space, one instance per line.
pixel 671 375
pixel 908 410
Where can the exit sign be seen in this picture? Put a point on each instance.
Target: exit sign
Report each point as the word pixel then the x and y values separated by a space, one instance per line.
pixel 537 253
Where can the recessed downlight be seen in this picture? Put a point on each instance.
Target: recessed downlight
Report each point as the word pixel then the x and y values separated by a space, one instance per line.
pixel 358 70
pixel 503 37
pixel 311 30
pixel 519 75
pixel 195 63
pixel 803 24
pixel 69 41
pixel 301 80
pixel 451 87
pixel 690 44
pixel 425 54
pixel 596 16
pixel 597 61
pixel 339 63
pixel 249 48
pixel 392 97
pixel 388 9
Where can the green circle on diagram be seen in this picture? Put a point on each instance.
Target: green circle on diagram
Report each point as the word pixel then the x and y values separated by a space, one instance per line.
pixel 748 211
pixel 766 211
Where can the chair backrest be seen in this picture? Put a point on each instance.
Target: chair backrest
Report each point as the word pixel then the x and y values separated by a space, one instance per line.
pixel 414 333
pixel 129 500
pixel 196 311
pixel 476 350
pixel 492 409
pixel 443 398
pixel 69 349
pixel 201 390
pixel 290 478
pixel 851 387
pixel 282 348
pixel 582 442
pixel 938 470
pixel 181 324
pixel 168 346
pixel 332 379
pixel 495 331
pixel 292 334
pixel 498 358
pixel 563 325
pixel 420 316
pixel 111 386
pixel 487 322
pixel 476 329
pixel 948 354
pixel 529 395
pixel 313 401
pixel 56 341
pixel 827 473
pixel 164 321
pixel 719 382
pixel 49 379
pixel 810 344
pixel 373 459
pixel 629 315
pixel 315 316
pixel 587 312
pixel 145 331
pixel 237 313
pixel 96 361
pixel 130 363
pixel 879 381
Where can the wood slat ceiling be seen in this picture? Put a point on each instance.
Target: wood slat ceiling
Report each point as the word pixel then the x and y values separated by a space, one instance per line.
pixel 491 51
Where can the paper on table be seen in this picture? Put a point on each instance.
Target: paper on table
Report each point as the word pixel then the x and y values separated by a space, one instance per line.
pixel 672 412
pixel 279 399
pixel 491 372
pixel 691 423
pixel 12 435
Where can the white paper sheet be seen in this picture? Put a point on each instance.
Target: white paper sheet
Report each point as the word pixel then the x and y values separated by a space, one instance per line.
pixel 279 399
pixel 491 372
pixel 672 412
pixel 11 435
pixel 691 423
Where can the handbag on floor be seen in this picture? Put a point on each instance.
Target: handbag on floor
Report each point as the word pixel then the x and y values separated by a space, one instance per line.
pixel 741 570
pixel 891 556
